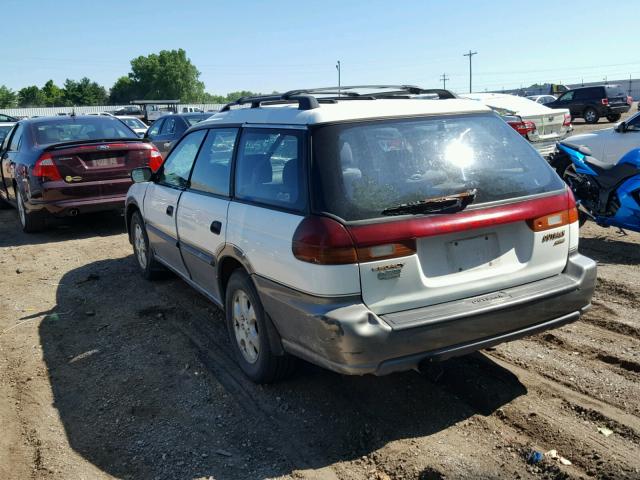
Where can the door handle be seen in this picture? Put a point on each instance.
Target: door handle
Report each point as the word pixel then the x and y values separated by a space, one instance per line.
pixel 170 210
pixel 216 227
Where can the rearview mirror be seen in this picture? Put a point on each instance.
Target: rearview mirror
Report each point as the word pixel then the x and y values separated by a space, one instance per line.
pixel 140 175
pixel 620 127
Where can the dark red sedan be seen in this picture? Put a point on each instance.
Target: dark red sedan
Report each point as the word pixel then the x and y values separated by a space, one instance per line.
pixel 65 166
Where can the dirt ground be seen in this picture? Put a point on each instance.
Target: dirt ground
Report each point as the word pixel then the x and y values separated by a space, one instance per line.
pixel 105 375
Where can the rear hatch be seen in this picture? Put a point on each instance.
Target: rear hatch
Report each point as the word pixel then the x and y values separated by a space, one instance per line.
pixel 372 174
pixel 616 96
pixel 98 168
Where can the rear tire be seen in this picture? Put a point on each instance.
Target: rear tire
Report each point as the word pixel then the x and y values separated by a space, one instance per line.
pixel 31 222
pixel 251 333
pixel 149 266
pixel 614 118
pixel 591 115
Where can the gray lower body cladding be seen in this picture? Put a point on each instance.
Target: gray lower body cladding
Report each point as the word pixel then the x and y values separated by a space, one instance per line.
pixel 342 334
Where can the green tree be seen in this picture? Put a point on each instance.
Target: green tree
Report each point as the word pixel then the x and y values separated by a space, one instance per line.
pixel 123 91
pixel 31 96
pixel 84 92
pixel 7 97
pixel 53 95
pixel 166 75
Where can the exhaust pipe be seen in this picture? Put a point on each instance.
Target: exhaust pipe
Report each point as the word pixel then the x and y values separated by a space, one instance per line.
pixel 74 212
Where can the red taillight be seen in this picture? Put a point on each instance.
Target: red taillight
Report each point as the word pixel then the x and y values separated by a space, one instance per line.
pixel 155 159
pixel 567 120
pixel 523 127
pixel 605 101
pixel 45 169
pixel 629 100
pixel 323 241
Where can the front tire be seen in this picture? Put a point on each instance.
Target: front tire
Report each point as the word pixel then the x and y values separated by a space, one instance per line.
pixel 149 266
pixel 31 222
pixel 250 332
pixel 614 118
pixel 591 115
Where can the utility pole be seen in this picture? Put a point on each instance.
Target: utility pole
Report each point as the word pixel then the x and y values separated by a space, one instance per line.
pixel 470 54
pixel 444 79
pixel 338 67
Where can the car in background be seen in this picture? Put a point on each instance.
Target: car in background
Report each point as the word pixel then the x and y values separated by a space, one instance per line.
pixel 542 126
pixel 166 130
pixel 609 145
pixel 134 123
pixel 64 166
pixel 7 118
pixel 129 110
pixel 543 99
pixel 5 128
pixel 593 103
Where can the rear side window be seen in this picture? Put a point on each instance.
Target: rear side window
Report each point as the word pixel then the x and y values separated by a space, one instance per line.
pixel 360 170
pixel 589 93
pixel 213 166
pixel 177 167
pixel 16 140
pixel 269 168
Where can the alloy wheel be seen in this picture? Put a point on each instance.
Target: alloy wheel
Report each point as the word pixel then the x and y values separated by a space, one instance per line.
pixel 245 326
pixel 141 245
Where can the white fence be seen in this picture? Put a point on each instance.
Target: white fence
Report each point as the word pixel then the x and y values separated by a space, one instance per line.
pixel 48 111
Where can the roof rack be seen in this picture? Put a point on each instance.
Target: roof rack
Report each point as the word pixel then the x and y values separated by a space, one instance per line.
pixel 310 98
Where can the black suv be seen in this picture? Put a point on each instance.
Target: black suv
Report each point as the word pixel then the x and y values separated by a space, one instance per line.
pixel 591 103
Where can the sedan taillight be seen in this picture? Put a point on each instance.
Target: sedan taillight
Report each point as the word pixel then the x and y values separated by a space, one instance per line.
pixel 523 127
pixel 45 169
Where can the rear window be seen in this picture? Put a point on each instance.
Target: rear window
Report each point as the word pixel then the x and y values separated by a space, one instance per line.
pixel 192 120
pixel 79 128
pixel 615 91
pixel 362 169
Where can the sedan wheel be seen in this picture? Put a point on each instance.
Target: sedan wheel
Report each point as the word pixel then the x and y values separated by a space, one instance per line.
pixel 30 221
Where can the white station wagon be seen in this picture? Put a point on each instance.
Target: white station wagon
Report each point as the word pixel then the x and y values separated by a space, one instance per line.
pixel 363 230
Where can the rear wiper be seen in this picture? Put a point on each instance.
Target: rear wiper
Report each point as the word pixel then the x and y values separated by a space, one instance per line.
pixel 447 204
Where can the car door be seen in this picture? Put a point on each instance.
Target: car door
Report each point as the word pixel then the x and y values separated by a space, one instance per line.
pixel 9 159
pixel 202 210
pixel 564 101
pixel 154 131
pixel 161 200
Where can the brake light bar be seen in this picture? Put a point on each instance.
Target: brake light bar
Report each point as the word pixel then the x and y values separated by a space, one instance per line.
pixel 427 226
pixel 605 101
pixel 46 169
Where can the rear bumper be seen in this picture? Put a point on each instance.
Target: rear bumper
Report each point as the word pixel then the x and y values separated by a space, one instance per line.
pixel 77 206
pixel 342 334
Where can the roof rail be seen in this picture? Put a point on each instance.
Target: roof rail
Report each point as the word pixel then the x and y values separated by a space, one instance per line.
pixel 305 102
pixel 306 98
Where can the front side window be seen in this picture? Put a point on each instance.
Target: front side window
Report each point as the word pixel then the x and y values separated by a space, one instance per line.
pixel 366 170
pixel 169 126
pixel 213 166
pixel 155 128
pixel 633 124
pixel 567 97
pixel 269 168
pixel 177 167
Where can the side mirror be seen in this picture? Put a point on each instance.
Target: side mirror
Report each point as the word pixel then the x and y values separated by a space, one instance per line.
pixel 140 175
pixel 620 127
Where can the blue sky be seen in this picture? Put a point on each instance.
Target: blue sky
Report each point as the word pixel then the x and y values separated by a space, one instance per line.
pixel 279 45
